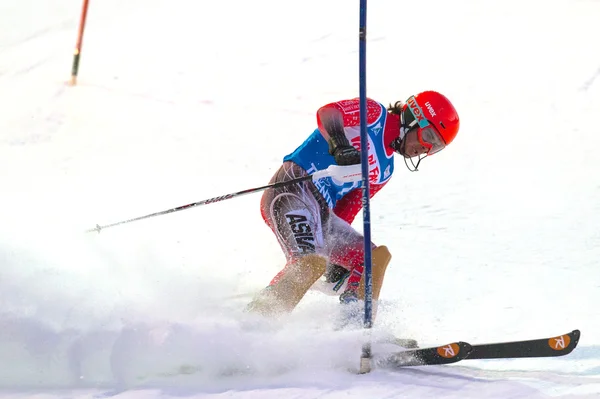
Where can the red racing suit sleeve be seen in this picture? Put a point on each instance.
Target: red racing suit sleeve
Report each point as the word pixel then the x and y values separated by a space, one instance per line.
pixel 350 111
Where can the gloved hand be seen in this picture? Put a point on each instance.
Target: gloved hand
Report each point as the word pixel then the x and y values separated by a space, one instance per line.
pixel 349 296
pixel 335 273
pixel 346 155
pixel 339 146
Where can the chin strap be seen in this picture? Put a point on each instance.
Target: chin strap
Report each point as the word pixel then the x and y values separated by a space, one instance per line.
pixel 415 167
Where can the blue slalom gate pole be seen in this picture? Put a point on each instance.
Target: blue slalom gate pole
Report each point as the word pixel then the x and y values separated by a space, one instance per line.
pixel 365 361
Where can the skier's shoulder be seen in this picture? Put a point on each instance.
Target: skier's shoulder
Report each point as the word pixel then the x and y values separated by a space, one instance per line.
pixel 352 105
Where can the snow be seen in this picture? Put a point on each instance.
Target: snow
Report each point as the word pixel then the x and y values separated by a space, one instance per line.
pixel 496 238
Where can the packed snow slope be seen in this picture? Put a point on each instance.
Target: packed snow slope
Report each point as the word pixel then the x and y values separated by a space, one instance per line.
pixel 496 238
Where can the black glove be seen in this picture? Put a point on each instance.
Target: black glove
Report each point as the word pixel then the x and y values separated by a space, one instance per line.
pixel 349 296
pixel 339 146
pixel 346 155
pixel 335 273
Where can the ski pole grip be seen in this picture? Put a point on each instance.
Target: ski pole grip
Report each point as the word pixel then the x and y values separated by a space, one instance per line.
pixel 345 174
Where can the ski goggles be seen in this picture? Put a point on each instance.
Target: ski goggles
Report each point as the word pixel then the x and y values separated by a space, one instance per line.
pixel 427 134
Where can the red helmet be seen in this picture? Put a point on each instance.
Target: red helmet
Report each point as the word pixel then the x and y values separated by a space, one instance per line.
pixel 432 108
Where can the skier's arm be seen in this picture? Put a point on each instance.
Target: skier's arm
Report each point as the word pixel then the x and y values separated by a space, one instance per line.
pixel 333 118
pixel 330 121
pixel 348 113
pixel 331 125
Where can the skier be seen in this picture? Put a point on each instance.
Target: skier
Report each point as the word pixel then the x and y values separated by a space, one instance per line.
pixel 312 220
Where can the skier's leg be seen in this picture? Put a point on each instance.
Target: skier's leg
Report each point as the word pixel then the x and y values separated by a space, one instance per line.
pixel 355 288
pixel 292 283
pixel 298 216
pixel 380 258
pixel 348 251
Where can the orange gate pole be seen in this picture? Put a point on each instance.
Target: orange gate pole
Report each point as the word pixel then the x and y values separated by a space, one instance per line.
pixel 77 53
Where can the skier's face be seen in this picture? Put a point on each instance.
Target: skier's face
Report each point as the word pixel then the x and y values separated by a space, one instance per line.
pixel 412 147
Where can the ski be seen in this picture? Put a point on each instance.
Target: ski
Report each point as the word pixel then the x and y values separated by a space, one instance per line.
pixel 542 347
pixel 457 351
pixel 445 354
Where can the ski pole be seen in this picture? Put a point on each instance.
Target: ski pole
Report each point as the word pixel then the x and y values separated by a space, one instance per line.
pixel 344 174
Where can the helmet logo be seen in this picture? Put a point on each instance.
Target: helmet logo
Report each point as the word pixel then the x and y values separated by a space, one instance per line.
pixel 430 108
pixel 417 112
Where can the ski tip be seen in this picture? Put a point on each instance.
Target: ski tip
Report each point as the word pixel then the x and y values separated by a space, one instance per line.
pixel 449 353
pixel 575 335
pixel 466 346
pixel 564 344
pixel 455 351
